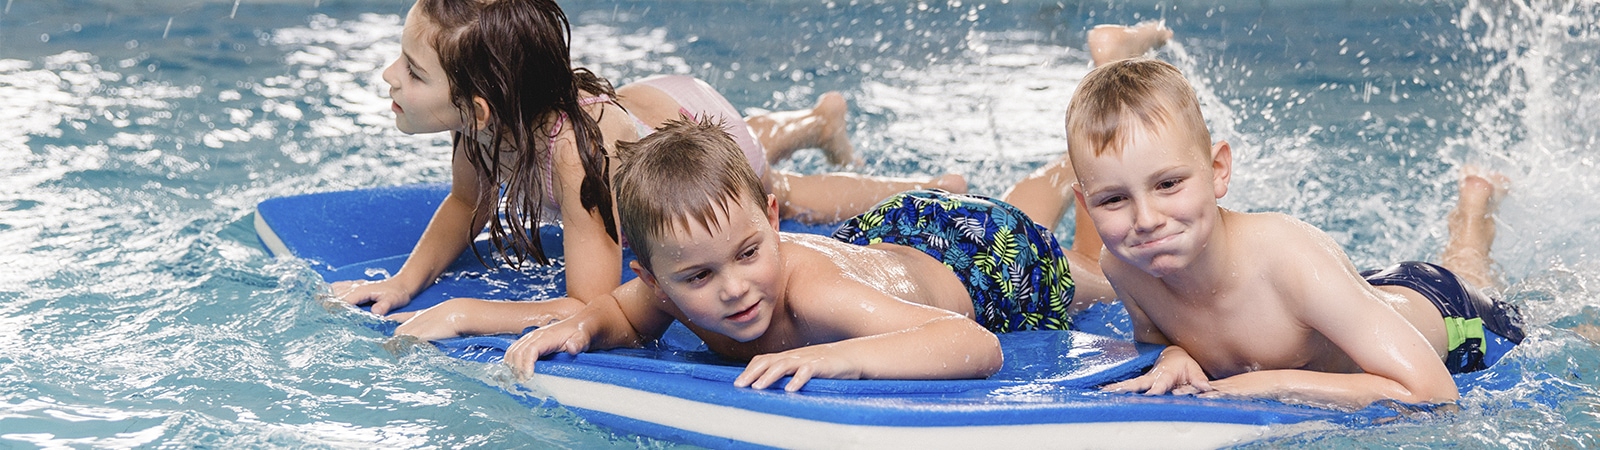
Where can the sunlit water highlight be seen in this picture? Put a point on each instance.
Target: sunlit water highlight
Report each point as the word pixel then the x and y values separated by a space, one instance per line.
pixel 137 310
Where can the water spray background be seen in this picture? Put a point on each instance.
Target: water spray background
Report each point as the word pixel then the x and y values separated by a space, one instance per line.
pixel 135 139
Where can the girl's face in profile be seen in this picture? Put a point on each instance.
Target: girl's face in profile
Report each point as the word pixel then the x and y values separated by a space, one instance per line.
pixel 418 84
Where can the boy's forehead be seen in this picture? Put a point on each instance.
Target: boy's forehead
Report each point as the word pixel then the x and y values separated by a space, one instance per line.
pixel 1131 130
pixel 688 235
pixel 687 228
pixel 1157 146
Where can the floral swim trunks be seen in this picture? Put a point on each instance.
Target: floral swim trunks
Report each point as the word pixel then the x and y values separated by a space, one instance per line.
pixel 1013 268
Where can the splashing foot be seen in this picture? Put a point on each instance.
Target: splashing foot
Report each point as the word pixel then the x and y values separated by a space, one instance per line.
pixel 834 138
pixel 1109 43
pixel 1472 226
pixel 1482 190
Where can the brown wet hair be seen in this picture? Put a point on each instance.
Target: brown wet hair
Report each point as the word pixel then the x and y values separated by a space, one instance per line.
pixel 686 172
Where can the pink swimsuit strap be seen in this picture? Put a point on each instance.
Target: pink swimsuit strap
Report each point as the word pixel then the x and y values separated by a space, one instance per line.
pixel 549 167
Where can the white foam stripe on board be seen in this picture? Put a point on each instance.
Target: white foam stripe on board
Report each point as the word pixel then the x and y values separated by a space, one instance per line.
pixel 270 238
pixel 789 432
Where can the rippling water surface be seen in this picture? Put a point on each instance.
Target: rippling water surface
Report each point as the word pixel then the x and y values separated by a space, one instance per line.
pixel 136 308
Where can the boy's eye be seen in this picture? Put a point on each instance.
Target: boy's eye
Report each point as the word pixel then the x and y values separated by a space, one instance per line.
pixel 412 71
pixel 748 253
pixel 1110 200
pixel 698 276
pixel 1169 184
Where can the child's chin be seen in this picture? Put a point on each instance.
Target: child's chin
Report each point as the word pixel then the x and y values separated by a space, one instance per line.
pixel 1159 270
pixel 748 334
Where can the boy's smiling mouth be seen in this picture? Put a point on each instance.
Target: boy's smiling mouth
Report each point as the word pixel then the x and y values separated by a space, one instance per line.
pixel 1155 242
pixel 745 314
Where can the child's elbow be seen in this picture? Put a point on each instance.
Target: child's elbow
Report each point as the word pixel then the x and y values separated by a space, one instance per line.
pixel 1435 394
pixel 989 361
pixel 1429 393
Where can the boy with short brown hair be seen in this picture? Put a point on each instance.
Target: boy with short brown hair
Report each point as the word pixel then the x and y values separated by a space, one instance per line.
pixel 913 289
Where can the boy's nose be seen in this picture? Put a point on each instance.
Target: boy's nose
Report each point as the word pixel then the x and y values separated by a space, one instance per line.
pixel 734 288
pixel 1146 217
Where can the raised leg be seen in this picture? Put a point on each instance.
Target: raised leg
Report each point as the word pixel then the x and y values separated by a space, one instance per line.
pixel 1472 227
pixel 823 126
pixel 1109 43
pixel 1045 194
pixel 832 197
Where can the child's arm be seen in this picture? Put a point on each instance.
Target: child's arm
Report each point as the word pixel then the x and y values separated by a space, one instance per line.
pixel 1327 294
pixel 449 232
pixel 594 262
pixel 464 316
pixel 1397 361
pixel 628 317
pixel 1175 371
pixel 882 337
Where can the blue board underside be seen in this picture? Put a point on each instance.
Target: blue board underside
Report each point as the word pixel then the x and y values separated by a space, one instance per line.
pixel 1047 378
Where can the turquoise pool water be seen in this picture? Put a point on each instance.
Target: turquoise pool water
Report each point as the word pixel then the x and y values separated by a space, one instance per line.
pixel 136 308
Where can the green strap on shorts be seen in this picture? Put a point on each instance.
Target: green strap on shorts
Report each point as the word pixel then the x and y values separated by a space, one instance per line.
pixel 1459 330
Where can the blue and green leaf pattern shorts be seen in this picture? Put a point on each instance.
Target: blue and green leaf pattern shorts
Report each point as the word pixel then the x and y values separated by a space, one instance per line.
pixel 1013 268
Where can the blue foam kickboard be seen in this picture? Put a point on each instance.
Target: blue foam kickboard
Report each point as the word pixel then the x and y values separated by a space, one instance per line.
pixel 1049 377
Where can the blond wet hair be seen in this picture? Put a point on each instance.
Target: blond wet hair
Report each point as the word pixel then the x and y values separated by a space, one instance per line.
pixel 1131 94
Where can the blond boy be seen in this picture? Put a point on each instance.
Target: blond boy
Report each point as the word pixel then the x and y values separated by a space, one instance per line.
pixel 1264 305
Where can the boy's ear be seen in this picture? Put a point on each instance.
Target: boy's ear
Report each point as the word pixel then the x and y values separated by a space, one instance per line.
pixel 772 211
pixel 1221 167
pixel 644 275
pixel 480 111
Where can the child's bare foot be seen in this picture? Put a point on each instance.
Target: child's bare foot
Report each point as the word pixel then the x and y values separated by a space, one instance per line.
pixel 1485 187
pixel 1109 43
pixel 834 138
pixel 822 126
pixel 1472 225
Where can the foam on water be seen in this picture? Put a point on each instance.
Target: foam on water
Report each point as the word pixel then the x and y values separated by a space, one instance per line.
pixel 135 140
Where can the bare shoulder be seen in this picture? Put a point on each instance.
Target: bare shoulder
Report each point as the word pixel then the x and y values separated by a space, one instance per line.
pixel 811 258
pixel 1303 262
pixel 815 281
pixel 1275 234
